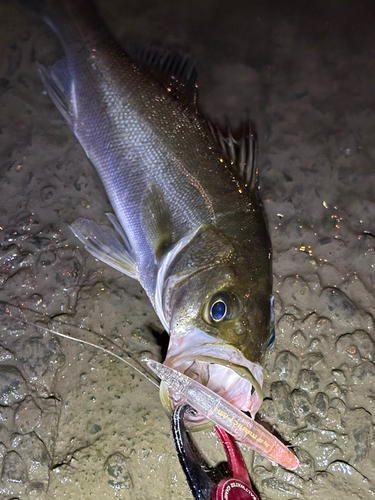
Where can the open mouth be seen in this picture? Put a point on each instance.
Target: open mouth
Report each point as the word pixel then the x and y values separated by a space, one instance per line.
pixel 220 367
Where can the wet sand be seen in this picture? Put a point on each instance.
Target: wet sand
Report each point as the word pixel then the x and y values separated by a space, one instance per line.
pixel 78 424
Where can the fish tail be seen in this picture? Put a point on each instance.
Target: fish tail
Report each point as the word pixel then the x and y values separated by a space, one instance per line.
pixel 79 30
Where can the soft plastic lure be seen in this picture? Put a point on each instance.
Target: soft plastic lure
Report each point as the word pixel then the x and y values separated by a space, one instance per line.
pixel 227 416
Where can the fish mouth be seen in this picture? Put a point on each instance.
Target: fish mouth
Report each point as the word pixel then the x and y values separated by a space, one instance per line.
pixel 220 367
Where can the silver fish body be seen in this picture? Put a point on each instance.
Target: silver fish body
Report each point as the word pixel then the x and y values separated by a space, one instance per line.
pixel 186 203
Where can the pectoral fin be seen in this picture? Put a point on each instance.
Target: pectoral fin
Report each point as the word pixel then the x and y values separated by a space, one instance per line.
pixel 157 221
pixel 103 244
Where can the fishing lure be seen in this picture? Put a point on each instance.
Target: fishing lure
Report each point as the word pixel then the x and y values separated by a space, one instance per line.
pixel 224 414
pixel 212 406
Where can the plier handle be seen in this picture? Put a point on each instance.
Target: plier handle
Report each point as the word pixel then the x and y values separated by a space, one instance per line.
pixel 236 487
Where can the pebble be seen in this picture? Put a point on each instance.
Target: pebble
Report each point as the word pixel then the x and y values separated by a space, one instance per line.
pixel 282 486
pixel 286 366
pixel 28 416
pixel 304 435
pixel 301 402
pixel 339 404
pixel 363 375
pixel 308 380
pixel 366 345
pixel 12 385
pixel 321 404
pixel 315 344
pixel 358 424
pixel 47 194
pixel 327 453
pixel 93 428
pixel 347 349
pixel 268 410
pixel 298 339
pixel 47 258
pixel 339 377
pixel 5 355
pixel 339 303
pixel 333 390
pixel 36 354
pixel 14 468
pixel 314 421
pixel 280 392
pixel 138 335
pixel 341 310
pixel 344 469
pixel 307 463
pixel 6 415
pixel 333 419
pixel 35 456
pixel 286 323
pixel 116 467
pixel 312 359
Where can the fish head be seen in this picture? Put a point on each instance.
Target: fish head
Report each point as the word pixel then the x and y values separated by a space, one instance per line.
pixel 218 306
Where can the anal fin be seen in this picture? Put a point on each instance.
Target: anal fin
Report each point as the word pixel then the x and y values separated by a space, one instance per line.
pixel 104 245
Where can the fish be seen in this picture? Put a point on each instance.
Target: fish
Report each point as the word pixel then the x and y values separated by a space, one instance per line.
pixel 188 221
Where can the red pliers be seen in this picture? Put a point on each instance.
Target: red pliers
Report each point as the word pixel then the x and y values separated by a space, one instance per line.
pixel 237 487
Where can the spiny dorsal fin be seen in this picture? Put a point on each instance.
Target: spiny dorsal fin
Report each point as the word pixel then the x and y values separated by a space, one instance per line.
pixel 242 153
pixel 173 67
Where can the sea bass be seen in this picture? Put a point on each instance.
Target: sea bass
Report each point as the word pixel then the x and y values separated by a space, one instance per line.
pixel 185 198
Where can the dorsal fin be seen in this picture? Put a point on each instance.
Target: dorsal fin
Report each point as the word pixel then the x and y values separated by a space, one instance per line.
pixel 173 67
pixel 242 153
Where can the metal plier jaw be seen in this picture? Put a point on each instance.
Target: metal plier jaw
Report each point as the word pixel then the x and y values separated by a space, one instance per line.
pixel 237 487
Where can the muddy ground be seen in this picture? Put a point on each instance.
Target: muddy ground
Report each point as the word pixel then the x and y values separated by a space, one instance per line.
pixel 78 424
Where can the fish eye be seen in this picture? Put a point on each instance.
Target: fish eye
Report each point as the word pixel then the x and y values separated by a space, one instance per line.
pixel 220 308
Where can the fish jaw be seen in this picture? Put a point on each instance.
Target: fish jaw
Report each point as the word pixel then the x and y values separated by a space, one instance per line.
pixel 219 366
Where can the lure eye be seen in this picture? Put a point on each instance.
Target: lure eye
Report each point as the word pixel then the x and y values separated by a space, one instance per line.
pixel 218 310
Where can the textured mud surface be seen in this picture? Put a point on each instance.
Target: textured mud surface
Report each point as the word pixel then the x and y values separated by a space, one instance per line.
pixel 76 424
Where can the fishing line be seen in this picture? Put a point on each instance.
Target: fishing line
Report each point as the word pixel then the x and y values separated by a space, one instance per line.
pixel 86 342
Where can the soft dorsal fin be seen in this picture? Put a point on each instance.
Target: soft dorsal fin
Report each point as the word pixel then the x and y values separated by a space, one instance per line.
pixel 173 67
pixel 242 153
